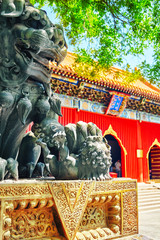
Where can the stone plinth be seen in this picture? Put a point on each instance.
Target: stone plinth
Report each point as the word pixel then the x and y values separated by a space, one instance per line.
pixel 76 210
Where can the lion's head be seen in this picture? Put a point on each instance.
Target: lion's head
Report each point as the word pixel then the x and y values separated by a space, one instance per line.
pixel 27 44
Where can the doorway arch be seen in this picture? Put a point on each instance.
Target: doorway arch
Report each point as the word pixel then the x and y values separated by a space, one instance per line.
pixel 153 157
pixel 117 144
pixel 115 152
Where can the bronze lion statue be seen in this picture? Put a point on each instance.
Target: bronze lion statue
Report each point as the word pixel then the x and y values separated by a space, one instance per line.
pixel 28 42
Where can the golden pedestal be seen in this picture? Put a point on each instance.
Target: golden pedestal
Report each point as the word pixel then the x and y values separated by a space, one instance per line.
pixel 79 210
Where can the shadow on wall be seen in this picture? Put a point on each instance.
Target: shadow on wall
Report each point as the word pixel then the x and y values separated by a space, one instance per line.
pixel 115 154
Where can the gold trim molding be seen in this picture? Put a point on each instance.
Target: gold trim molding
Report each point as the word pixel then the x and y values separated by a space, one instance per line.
pixel 110 131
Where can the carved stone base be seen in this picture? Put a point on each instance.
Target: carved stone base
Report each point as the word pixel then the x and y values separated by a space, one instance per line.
pixel 70 210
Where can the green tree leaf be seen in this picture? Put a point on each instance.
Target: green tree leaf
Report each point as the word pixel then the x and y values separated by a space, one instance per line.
pixel 105 31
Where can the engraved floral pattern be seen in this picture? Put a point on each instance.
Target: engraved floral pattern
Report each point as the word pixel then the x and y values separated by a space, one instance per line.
pixel 71 217
pixel 130 214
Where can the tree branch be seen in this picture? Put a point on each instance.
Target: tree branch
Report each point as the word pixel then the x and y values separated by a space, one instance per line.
pixel 113 10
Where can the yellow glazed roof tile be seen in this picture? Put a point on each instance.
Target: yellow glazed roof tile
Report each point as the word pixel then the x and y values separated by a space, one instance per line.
pixel 112 79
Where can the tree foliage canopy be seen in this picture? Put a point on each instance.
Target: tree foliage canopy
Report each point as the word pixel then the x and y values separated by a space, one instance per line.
pixel 108 30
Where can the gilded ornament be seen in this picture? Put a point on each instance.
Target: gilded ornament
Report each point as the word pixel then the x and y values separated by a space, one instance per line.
pixel 7 222
pixel 9 207
pixel 33 203
pixel 22 204
pixel 130 215
pixel 7 235
pixel 42 203
pixel 72 206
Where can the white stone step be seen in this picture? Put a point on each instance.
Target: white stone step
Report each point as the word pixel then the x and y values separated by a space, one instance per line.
pixel 146 187
pixel 147 190
pixel 150 192
pixel 148 197
pixel 148 202
pixel 149 207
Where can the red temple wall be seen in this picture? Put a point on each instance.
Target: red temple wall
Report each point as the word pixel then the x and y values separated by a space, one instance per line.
pixel 132 133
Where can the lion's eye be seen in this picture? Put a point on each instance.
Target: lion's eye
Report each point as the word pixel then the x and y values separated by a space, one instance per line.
pixel 61 43
pixel 35 15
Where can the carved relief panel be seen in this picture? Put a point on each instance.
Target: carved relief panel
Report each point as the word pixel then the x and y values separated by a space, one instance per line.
pixel 72 210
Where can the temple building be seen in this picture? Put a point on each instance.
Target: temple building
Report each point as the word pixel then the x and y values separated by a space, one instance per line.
pixel 127 114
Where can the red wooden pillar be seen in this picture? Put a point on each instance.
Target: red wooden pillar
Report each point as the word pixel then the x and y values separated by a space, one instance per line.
pixel 139 154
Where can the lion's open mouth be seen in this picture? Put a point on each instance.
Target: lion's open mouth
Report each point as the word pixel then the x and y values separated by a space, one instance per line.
pixel 37 59
pixel 41 63
pixel 52 54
